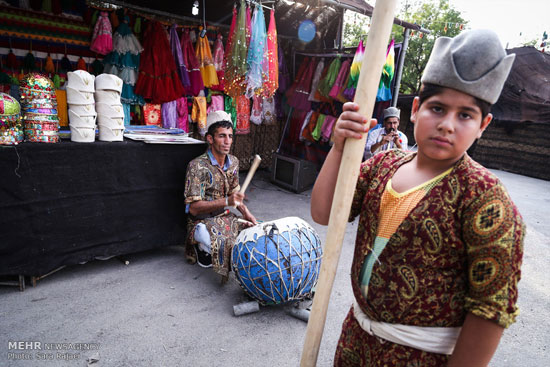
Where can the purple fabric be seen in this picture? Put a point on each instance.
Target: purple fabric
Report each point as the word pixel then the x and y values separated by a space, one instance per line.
pixel 326 130
pixel 169 114
pixel 178 56
pixel 284 77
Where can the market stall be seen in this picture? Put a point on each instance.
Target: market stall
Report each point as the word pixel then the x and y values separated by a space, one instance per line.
pixel 90 72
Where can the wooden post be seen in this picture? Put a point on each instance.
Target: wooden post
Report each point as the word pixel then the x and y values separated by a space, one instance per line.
pixel 365 97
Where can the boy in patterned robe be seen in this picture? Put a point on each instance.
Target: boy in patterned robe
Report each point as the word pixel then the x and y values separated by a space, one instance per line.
pixel 439 244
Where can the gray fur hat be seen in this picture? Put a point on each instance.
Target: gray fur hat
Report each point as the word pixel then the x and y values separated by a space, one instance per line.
pixel 392 112
pixel 474 62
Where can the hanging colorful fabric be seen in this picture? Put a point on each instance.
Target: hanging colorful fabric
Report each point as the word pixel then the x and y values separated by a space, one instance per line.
pixel 151 114
pixel 219 63
pixel 231 108
pixel 183 114
pixel 102 38
pixel 301 70
pixel 192 64
pixel 254 79
pixel 256 113
pixel 271 59
pixel 328 81
pixel 204 57
pixel 198 114
pixel 169 114
pixel 349 93
pixel 384 89
pixel 316 79
pixel 181 68
pixel 268 111
pixel 158 79
pixel 235 71
pixel 300 98
pixel 243 115
pixel 340 79
pixel 124 61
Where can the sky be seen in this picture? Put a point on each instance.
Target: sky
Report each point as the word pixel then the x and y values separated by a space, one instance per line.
pixel 515 21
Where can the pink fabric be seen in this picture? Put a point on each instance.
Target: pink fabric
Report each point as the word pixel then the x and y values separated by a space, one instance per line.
pixel 183 114
pixel 256 114
pixel 102 39
pixel 340 79
pixel 217 104
pixel 326 130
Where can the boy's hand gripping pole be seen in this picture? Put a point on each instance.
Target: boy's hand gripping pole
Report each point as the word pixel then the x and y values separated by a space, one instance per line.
pixel 365 97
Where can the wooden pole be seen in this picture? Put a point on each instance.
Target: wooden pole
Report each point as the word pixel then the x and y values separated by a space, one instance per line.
pixel 253 167
pixel 365 96
pixel 251 171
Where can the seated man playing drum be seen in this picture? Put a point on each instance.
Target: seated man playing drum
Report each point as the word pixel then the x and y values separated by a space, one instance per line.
pixel 212 185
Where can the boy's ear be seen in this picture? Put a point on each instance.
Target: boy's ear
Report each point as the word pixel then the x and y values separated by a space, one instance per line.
pixel 415 106
pixel 484 123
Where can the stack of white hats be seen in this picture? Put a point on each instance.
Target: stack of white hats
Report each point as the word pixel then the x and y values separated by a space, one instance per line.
pixel 110 113
pixel 80 98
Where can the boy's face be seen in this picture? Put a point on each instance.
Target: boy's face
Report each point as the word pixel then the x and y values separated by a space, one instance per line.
pixel 446 125
pixel 221 141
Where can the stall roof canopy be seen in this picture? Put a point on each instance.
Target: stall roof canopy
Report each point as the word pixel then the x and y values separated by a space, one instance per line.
pixel 526 93
pixel 289 14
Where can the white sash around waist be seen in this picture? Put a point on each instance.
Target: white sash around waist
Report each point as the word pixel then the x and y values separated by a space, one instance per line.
pixel 439 340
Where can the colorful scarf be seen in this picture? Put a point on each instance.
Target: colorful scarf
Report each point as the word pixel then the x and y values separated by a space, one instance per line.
pixel 271 67
pixel 349 93
pixel 384 89
pixel 254 79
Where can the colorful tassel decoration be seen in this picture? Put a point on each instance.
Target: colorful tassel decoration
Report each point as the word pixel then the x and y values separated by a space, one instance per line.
pixel 11 60
pixel 97 67
pixel 49 67
pixel 66 64
pixel 29 62
pixel 81 64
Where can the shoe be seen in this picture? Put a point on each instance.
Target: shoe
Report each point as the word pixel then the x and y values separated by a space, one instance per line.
pixel 204 259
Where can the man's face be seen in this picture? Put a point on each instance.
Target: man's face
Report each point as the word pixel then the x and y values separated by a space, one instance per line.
pixel 221 141
pixel 391 123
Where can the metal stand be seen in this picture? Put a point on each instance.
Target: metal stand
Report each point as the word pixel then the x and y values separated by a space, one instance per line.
pixel 20 282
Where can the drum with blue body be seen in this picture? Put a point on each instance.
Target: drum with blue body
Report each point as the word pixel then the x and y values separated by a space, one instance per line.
pixel 277 261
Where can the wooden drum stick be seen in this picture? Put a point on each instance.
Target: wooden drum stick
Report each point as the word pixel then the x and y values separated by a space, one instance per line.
pixel 251 171
pixel 369 78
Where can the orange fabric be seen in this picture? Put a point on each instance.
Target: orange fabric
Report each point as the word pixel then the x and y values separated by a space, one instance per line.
pixel 394 206
pixel 62 113
pixel 198 113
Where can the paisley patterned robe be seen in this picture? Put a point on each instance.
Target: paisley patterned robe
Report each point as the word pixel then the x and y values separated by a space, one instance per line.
pixel 205 181
pixel 458 251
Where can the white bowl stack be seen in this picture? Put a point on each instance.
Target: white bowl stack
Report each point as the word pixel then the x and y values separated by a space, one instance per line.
pixel 80 99
pixel 110 113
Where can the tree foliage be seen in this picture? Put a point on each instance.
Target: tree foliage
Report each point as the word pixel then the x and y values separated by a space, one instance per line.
pixel 437 16
pixel 355 26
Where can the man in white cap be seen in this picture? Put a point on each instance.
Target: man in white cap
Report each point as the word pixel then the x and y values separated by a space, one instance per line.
pixel 212 185
pixel 386 137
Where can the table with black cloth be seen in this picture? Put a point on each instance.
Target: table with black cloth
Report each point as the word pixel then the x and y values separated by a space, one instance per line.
pixel 68 203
